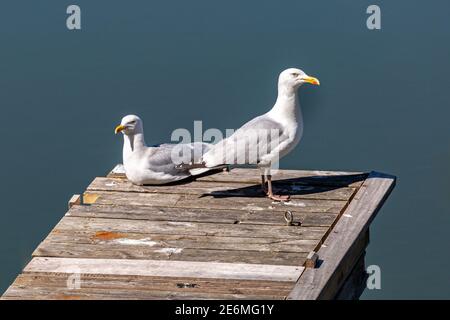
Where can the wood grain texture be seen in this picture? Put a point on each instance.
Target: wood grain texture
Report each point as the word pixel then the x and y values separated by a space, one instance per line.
pixel 82 237
pixel 323 282
pixel 194 269
pixel 225 189
pixel 158 242
pixel 209 202
pixel 228 216
pixel 68 250
pixel 190 228
pixel 213 237
pixel 55 285
pixel 43 293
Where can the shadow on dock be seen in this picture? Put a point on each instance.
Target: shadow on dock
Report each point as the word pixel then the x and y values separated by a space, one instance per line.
pixel 294 186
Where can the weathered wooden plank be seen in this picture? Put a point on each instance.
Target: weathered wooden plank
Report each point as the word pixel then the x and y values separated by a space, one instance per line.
pixel 190 228
pixel 341 244
pixel 307 219
pixel 111 282
pixel 157 213
pixel 158 242
pixel 46 293
pixel 343 270
pixel 112 251
pixel 166 268
pixel 224 189
pixel 43 293
pixel 207 202
pixel 260 204
pixel 136 199
pixel 189 287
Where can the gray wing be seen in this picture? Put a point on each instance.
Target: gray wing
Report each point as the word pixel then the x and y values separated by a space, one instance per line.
pixel 253 143
pixel 164 157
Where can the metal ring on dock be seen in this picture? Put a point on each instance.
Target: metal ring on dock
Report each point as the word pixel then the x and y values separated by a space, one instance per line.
pixel 289 217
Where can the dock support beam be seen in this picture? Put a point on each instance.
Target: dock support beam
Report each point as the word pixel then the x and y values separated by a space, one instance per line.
pixel 345 243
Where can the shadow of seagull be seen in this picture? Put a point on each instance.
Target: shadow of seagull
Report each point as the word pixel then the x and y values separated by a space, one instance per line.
pixel 293 186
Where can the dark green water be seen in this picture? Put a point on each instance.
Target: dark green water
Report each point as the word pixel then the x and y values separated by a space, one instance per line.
pixel 384 104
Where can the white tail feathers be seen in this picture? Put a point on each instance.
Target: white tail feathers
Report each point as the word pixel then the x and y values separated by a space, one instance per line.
pixel 199 171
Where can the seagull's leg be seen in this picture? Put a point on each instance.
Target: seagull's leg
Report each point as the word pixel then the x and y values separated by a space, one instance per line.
pixel 263 179
pixel 263 184
pixel 270 192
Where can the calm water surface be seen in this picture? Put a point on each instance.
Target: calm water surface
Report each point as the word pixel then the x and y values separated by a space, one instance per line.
pixel 384 104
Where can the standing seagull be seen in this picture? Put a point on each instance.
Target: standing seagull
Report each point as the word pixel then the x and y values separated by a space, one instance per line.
pixel 284 119
pixel 154 165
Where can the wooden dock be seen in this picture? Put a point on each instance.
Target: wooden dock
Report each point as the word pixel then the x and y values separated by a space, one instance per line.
pixel 216 237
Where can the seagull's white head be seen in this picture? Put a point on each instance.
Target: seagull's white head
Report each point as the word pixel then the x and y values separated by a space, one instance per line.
pixel 130 125
pixel 294 78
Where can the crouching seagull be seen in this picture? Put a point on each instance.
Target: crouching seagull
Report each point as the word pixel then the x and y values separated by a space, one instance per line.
pixel 156 164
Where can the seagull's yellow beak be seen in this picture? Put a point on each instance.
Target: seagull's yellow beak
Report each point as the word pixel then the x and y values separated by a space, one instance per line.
pixel 119 128
pixel 311 80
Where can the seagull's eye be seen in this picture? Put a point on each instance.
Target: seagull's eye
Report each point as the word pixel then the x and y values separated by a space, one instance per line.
pixel 132 122
pixel 294 74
